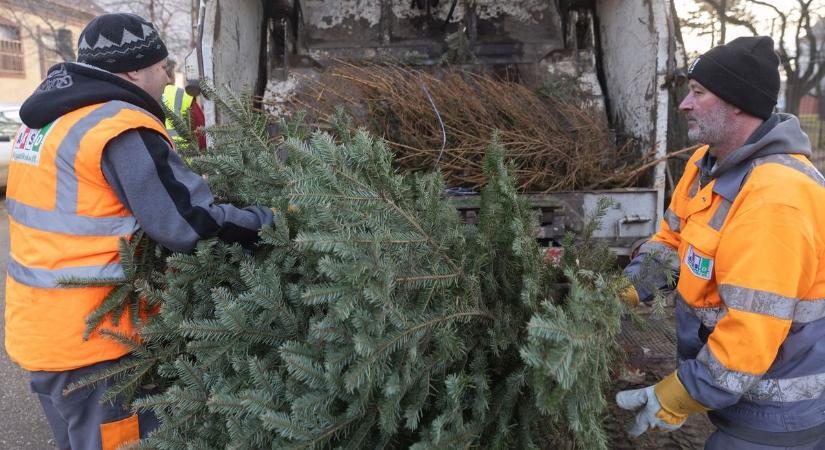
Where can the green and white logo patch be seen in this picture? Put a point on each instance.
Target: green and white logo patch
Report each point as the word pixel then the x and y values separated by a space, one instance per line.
pixel 26 148
pixel 699 265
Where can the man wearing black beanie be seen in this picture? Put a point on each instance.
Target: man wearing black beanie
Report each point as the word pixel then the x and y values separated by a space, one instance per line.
pixel 92 164
pixel 743 238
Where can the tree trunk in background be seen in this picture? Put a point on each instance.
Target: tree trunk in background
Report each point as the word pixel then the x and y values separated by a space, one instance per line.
pixel 793 96
pixel 721 14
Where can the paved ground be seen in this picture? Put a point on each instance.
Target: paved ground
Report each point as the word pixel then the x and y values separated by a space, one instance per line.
pixel 22 424
pixel 651 355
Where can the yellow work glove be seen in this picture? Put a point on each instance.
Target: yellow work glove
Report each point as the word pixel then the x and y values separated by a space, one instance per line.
pixel 662 407
pixel 292 209
pixel 629 296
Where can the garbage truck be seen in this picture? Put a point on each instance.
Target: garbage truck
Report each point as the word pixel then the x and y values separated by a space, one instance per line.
pixel 627 54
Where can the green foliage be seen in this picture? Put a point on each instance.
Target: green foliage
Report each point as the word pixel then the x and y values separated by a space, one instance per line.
pixel 372 317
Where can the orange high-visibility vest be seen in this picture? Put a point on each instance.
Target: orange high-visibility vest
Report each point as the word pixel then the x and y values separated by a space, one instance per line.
pixel 750 300
pixel 65 221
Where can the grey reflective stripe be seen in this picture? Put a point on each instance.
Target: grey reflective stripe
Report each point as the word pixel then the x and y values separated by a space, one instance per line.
pixel 797 389
pixel 694 187
pixel 729 380
pixel 760 302
pixel 177 110
pixel 61 222
pixel 708 316
pixel 178 101
pixel 672 220
pixel 793 163
pixel 45 278
pixel 70 146
pixel 663 253
pixel 809 310
pixel 720 215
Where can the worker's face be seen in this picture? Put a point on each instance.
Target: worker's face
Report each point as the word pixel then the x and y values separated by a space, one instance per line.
pixel 153 79
pixel 707 115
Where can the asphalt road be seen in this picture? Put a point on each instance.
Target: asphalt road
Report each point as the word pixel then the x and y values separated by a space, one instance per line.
pixel 22 424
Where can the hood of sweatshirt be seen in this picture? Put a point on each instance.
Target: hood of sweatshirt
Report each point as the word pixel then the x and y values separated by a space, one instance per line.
pixel 780 134
pixel 70 86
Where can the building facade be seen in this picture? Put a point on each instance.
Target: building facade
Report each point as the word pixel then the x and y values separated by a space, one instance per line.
pixel 34 35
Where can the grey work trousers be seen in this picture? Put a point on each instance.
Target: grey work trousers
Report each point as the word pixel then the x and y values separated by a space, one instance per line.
pixel 79 421
pixel 720 440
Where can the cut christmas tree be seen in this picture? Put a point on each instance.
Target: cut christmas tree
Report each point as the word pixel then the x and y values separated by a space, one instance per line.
pixel 371 316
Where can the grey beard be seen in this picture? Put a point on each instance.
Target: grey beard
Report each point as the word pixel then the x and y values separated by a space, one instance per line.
pixel 710 130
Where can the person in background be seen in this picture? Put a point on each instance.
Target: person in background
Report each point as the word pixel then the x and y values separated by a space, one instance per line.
pixel 185 106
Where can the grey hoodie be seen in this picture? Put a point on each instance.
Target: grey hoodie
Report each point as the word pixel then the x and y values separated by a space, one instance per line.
pixel 780 134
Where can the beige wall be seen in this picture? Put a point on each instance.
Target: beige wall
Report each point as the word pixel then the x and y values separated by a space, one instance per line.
pixel 15 90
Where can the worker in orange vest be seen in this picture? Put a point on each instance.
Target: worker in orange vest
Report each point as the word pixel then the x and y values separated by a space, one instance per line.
pixel 744 235
pixel 93 163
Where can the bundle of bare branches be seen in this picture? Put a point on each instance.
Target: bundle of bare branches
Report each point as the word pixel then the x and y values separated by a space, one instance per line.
pixel 445 121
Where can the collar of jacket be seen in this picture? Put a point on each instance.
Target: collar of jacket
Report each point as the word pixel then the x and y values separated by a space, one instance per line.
pixel 780 134
pixel 70 86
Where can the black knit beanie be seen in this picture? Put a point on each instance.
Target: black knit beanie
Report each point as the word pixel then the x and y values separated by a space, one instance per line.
pixel 120 43
pixel 744 72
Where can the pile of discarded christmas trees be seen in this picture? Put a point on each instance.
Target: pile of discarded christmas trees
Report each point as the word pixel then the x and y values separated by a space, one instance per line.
pixel 554 133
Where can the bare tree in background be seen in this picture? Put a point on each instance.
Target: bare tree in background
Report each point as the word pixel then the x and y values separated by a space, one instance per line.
pixel 712 18
pixel 799 46
pixel 54 36
pixel 172 19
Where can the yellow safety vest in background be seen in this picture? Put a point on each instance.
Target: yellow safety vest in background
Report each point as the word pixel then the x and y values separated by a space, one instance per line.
pixel 177 100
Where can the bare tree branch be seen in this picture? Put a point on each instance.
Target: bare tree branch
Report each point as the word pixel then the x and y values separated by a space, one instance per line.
pixel 53 21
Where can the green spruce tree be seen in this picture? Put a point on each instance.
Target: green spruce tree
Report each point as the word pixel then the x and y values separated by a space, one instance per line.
pixel 371 317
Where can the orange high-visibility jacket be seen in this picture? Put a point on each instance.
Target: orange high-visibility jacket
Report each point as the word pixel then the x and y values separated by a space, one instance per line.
pixel 751 296
pixel 65 221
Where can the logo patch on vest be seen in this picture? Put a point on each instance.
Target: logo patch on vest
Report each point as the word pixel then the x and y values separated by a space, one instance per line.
pixel 699 265
pixel 26 147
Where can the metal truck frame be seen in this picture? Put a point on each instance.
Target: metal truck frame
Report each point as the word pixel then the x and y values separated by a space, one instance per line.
pixel 625 53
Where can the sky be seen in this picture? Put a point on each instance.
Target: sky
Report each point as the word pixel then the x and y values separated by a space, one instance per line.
pixel 695 44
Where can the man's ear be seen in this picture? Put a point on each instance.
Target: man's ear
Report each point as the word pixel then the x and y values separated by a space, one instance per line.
pixel 131 75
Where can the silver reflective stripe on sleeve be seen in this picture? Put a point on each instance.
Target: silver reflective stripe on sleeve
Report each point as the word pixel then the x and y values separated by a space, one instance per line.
pixel 708 316
pixel 729 380
pixel 663 253
pixel 760 302
pixel 809 310
pixel 61 222
pixel 672 220
pixel 796 389
pixel 45 278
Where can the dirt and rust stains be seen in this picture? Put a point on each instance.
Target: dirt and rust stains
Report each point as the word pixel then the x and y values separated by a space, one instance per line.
pixel 330 14
pixel 528 11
